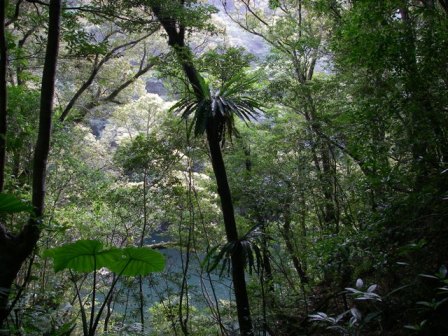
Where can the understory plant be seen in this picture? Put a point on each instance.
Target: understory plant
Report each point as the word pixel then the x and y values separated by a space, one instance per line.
pixel 89 256
pixel 431 310
pixel 354 320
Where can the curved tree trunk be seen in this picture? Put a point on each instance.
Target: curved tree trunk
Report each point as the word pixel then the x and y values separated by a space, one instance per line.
pixel 14 250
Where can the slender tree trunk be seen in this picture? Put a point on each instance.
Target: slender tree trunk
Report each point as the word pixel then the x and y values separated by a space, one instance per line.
pixel 142 240
pixel 330 215
pixel 46 108
pixel 288 236
pixel 267 268
pixel 323 167
pixel 426 133
pixel 14 250
pixel 237 258
pixel 109 309
pixel 3 94
pixel 176 39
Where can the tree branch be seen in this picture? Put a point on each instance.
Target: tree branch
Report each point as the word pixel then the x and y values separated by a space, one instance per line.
pixel 123 86
pixel 16 13
pixel 95 71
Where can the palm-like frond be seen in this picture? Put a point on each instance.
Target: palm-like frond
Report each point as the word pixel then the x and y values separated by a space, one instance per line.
pixel 219 106
pixel 250 246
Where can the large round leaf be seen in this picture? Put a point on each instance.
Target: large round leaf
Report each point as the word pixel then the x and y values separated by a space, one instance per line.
pixel 83 256
pixel 138 261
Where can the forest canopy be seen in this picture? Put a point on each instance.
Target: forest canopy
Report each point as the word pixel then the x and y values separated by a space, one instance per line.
pixel 223 167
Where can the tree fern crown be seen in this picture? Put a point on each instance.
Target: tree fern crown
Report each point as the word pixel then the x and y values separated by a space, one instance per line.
pixel 219 106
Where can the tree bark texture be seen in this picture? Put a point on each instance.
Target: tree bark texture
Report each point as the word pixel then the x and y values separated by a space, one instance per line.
pixel 14 250
pixel 3 94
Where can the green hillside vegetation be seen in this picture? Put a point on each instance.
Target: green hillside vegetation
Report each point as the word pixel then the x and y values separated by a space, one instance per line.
pixel 223 168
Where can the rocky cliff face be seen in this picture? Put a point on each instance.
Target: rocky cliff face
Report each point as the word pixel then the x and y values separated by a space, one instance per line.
pixel 235 36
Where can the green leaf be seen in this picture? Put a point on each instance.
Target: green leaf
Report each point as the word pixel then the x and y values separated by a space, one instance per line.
pixel 10 204
pixel 205 89
pixel 205 264
pixel 213 258
pixel 82 256
pixel 66 329
pixel 230 100
pixel 426 304
pixel 201 118
pixel 135 261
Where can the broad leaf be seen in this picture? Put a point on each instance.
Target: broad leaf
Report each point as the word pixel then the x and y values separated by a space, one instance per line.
pixel 10 204
pixel 135 261
pixel 82 256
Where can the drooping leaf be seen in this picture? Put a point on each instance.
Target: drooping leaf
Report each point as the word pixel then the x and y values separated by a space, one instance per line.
pixel 258 256
pixel 210 255
pixel 201 116
pixel 225 265
pixel 205 89
pixel 219 106
pixel 223 255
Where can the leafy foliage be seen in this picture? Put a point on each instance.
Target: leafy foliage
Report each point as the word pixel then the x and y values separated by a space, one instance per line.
pixel 89 256
pixel 222 64
pixel 82 256
pixel 343 176
pixel 135 261
pixel 10 204
pixel 220 106
pixel 358 320
pixel 249 244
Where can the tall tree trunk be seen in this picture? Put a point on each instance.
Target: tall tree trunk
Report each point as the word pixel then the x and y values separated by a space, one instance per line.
pixel 288 236
pixel 237 258
pixel 322 162
pixel 426 133
pixel 176 39
pixel 14 250
pixel 3 94
pixel 261 221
